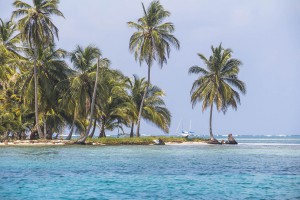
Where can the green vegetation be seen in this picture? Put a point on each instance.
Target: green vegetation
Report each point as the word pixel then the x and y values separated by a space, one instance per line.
pixel 214 84
pixel 141 140
pixel 152 42
pixel 41 94
pixel 37 31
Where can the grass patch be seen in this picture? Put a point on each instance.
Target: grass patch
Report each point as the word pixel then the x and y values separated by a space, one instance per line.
pixel 140 140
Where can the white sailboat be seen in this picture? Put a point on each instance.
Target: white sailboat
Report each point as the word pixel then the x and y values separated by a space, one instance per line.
pixel 185 133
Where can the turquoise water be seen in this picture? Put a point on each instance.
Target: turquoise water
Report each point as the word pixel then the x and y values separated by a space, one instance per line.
pixel 250 170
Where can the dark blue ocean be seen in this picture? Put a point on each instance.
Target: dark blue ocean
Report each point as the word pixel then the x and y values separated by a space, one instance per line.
pixel 259 167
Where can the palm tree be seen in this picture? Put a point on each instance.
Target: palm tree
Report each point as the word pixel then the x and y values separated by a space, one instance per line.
pixel 104 62
pixel 136 90
pixel 152 41
pixel 216 81
pixel 112 107
pixel 52 70
pixel 37 30
pixel 81 88
pixel 153 110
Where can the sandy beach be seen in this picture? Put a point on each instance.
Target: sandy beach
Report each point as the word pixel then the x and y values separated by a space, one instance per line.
pixel 66 142
pixel 35 143
pixel 186 143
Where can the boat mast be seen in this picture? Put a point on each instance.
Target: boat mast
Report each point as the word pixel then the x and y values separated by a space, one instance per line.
pixel 178 126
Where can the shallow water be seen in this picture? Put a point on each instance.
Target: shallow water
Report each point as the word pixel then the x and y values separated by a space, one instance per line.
pixel 244 171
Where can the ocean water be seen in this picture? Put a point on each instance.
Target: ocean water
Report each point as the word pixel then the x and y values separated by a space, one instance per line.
pixel 254 169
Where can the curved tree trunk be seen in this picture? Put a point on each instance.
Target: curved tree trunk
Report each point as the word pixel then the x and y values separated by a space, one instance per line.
pixel 210 124
pixel 58 134
pixel 36 95
pixel 94 128
pixel 82 140
pixel 142 104
pixel 71 132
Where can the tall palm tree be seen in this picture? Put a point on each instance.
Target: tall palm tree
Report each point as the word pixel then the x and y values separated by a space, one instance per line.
pixel 152 41
pixel 153 110
pixel 52 70
pixel 104 62
pixel 86 62
pixel 216 82
pixel 37 30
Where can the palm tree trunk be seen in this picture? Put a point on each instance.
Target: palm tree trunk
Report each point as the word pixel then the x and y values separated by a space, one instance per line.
pixel 131 130
pixel 45 127
pixel 210 123
pixel 94 128
pixel 142 104
pixel 102 131
pixel 36 95
pixel 72 129
pixel 82 140
pixel 6 133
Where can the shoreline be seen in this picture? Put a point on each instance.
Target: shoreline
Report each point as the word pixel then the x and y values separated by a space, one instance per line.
pixel 68 142
pixel 186 143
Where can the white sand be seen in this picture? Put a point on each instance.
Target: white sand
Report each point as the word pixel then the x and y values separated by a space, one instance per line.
pixel 33 143
pixel 64 142
pixel 186 143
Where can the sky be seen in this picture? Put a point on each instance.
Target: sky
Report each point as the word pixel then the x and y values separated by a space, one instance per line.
pixel 264 35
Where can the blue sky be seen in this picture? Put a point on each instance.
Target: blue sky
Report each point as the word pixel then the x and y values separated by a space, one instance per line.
pixel 264 35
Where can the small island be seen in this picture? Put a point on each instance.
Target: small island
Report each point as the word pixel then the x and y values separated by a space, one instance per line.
pixel 108 141
pixel 46 90
pixel 90 92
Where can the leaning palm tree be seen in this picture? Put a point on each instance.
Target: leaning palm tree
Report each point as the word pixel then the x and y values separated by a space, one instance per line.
pixel 86 62
pixel 37 30
pixel 152 41
pixel 103 62
pixel 215 82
